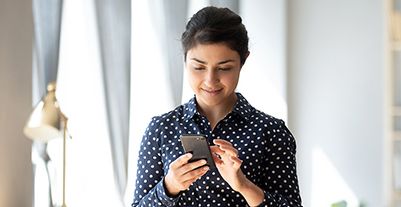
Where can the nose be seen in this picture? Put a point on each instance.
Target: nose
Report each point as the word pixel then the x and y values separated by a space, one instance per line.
pixel 211 77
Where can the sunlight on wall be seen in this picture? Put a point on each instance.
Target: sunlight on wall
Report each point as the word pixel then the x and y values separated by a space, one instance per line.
pixel 263 78
pixel 267 99
pixel 328 186
pixel 80 92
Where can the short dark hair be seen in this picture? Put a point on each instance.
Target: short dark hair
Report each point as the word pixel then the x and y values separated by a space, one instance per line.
pixel 216 25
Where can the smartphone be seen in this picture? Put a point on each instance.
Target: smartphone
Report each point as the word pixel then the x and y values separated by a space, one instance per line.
pixel 199 147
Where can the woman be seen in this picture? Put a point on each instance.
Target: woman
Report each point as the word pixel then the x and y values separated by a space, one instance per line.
pixel 254 153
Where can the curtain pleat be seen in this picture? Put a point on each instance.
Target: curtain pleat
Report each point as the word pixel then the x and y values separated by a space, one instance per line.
pixel 114 27
pixel 170 19
pixel 47 21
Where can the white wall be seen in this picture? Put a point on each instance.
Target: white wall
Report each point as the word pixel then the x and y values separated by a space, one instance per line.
pixel 336 99
pixel 16 185
pixel 263 77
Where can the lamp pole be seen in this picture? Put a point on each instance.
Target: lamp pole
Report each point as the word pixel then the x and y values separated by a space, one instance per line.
pixel 64 156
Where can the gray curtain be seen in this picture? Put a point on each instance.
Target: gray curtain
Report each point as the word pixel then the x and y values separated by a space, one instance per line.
pixel 169 18
pixel 47 21
pixel 114 25
pixel 232 4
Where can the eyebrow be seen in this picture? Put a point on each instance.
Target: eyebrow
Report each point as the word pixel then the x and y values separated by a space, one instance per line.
pixel 204 62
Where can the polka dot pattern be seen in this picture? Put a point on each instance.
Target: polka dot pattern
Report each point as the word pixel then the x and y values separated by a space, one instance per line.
pixel 264 143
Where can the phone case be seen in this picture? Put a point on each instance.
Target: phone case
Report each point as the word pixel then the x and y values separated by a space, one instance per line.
pixel 199 147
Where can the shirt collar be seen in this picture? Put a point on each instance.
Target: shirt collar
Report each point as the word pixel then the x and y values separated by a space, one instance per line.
pixel 190 109
pixel 241 108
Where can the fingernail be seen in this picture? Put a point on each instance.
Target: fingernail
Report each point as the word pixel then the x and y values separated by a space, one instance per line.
pixel 189 155
pixel 206 168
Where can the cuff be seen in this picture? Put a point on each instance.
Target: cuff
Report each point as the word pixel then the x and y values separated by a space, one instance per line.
pixel 267 201
pixel 163 197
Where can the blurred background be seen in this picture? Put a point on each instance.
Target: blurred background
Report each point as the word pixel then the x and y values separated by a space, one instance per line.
pixel 330 69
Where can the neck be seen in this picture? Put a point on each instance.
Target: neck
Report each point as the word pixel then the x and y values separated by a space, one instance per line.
pixel 216 113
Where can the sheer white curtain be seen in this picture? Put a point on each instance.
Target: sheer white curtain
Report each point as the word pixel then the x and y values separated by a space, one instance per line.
pixel 90 179
pixel 155 45
pixel 93 91
pixel 114 29
pixel 151 92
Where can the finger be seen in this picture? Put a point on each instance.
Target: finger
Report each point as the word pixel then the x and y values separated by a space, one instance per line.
pixel 221 142
pixel 229 150
pixel 224 145
pixel 236 161
pixel 189 182
pixel 221 156
pixel 193 175
pixel 216 150
pixel 180 161
pixel 217 158
pixel 191 166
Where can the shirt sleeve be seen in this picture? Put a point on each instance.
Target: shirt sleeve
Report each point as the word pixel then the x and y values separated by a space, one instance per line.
pixel 149 187
pixel 281 182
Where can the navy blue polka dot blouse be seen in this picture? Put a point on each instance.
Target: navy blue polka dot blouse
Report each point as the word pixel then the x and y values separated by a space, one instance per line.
pixel 264 143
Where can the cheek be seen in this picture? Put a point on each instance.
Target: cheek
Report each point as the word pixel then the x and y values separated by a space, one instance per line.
pixel 231 80
pixel 193 79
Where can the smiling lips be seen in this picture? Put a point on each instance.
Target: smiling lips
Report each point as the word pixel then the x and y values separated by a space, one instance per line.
pixel 212 91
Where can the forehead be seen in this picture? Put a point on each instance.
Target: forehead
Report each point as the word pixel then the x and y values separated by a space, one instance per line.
pixel 215 52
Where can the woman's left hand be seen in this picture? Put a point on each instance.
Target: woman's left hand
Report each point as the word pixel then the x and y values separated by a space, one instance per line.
pixel 229 165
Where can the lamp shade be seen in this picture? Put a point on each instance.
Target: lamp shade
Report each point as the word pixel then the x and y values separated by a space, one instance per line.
pixel 45 122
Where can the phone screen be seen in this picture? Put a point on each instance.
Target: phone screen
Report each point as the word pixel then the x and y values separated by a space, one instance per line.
pixel 199 147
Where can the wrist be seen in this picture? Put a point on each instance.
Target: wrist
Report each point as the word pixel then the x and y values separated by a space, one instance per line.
pixel 245 186
pixel 169 189
pixel 252 193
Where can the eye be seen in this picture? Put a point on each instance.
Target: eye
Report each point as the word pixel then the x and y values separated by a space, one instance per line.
pixel 224 69
pixel 198 68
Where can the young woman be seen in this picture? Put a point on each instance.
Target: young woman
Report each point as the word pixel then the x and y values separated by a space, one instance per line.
pixel 254 153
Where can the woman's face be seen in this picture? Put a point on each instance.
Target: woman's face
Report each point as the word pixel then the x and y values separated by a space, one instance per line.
pixel 213 73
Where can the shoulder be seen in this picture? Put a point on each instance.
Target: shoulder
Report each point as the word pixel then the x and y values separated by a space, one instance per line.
pixel 255 116
pixel 160 122
pixel 276 131
pixel 266 118
pixel 162 119
pixel 270 122
pixel 173 114
pixel 272 125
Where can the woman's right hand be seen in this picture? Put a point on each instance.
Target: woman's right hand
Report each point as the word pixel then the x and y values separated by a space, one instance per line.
pixel 183 173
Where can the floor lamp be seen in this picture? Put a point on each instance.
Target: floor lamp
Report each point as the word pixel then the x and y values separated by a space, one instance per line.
pixel 47 122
